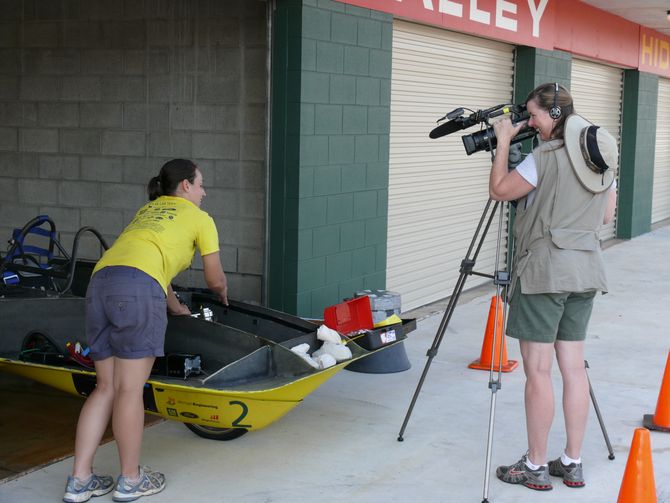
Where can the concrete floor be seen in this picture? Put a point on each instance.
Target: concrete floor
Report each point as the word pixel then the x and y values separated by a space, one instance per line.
pixel 340 443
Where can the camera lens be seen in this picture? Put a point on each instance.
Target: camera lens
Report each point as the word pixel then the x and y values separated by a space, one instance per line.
pixel 480 140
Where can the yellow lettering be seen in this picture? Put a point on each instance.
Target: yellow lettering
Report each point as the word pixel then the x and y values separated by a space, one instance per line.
pixel 647 50
pixel 655 52
pixel 664 55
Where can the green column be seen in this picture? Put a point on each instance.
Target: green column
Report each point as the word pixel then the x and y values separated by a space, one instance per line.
pixel 284 158
pixel 329 153
pixel 638 141
pixel 536 66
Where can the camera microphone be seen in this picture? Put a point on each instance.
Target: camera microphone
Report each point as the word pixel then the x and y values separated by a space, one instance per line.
pixel 459 122
pixel 446 128
pixel 454 123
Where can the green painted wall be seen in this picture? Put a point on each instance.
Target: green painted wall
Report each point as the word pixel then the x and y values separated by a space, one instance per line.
pixel 329 153
pixel 638 142
pixel 537 66
pixel 284 157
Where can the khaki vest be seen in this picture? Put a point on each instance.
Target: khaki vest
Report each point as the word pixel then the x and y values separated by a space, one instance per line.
pixel 557 246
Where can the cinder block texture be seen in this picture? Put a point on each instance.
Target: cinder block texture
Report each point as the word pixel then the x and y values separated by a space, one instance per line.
pixel 638 145
pixel 339 128
pixel 95 96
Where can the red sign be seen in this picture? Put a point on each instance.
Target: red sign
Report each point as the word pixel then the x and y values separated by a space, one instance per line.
pixel 596 34
pixel 568 25
pixel 654 52
pixel 521 22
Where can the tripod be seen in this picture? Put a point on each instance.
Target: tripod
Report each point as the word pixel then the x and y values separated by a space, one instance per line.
pixel 501 278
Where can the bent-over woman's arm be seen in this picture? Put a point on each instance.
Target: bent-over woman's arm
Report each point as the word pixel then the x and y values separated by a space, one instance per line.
pixel 174 307
pixel 215 277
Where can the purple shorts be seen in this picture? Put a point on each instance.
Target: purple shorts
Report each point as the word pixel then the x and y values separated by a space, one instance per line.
pixel 126 314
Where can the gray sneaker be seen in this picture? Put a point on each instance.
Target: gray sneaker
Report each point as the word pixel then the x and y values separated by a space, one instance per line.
pixel 150 482
pixel 77 491
pixel 519 473
pixel 572 474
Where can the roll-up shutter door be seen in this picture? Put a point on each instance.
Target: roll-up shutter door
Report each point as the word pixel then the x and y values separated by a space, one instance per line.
pixel 437 193
pixel 597 91
pixel 660 202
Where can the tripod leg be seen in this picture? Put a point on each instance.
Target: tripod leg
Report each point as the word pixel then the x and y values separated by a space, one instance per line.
pixel 600 417
pixel 432 352
pixel 501 280
pixel 489 443
pixel 466 269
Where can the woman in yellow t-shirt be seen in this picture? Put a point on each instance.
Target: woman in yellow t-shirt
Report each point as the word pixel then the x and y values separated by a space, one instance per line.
pixel 127 303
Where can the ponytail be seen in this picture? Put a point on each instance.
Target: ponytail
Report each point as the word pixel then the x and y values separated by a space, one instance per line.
pixel 154 188
pixel 171 175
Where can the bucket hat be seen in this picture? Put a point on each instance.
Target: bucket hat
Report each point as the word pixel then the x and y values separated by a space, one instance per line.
pixel 593 153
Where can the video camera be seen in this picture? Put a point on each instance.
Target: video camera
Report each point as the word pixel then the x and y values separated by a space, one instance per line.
pixel 486 138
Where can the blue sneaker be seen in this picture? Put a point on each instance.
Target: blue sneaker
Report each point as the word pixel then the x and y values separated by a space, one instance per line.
pixel 150 482
pixel 77 491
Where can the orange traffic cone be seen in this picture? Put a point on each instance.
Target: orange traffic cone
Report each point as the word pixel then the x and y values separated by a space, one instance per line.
pixel 638 484
pixel 490 353
pixel 661 419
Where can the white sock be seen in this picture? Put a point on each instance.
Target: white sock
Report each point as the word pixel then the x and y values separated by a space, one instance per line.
pixel 531 465
pixel 567 460
pixel 131 482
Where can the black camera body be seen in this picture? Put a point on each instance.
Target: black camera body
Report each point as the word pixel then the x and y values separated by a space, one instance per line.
pixel 486 138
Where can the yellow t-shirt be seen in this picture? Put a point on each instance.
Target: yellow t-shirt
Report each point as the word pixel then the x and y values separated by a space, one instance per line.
pixel 162 239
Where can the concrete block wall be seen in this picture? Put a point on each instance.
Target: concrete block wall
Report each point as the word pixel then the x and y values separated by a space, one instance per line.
pixel 536 66
pixel 333 188
pixel 95 95
pixel 638 144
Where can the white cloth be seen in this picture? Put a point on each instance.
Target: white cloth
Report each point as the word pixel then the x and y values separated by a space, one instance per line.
pixel 325 361
pixel 326 334
pixel 301 351
pixel 338 351
pixel 323 358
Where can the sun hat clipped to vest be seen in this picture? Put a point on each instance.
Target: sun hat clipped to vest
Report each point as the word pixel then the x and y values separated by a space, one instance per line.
pixel 593 153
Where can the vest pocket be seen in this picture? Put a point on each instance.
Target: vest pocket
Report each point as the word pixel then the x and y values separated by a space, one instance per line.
pixel 574 239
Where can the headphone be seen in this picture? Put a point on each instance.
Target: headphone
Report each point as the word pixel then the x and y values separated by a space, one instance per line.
pixel 555 111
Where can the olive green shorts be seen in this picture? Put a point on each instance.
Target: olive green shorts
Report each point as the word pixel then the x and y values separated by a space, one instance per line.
pixel 547 317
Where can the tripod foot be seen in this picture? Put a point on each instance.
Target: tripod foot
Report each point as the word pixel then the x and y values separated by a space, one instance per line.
pixel 400 439
pixel 610 457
